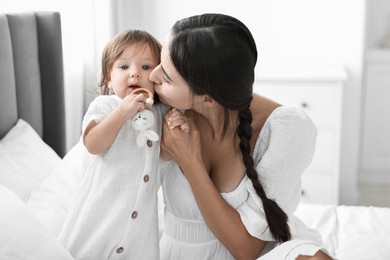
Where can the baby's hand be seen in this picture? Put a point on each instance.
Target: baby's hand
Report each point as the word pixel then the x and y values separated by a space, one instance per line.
pixel 175 118
pixel 132 104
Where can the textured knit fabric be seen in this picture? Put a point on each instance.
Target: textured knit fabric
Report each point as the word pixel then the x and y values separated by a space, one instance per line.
pixel 114 212
pixel 283 150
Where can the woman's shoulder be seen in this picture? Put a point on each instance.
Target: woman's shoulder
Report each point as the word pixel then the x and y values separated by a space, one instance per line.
pixel 284 117
pixel 286 124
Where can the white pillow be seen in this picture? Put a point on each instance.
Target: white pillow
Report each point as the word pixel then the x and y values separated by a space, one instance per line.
pixel 22 236
pixel 52 202
pixel 25 160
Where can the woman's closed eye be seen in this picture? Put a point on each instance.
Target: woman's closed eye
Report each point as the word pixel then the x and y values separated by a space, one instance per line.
pixel 165 79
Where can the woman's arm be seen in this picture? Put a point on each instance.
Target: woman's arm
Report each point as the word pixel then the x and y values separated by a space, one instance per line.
pixel 223 220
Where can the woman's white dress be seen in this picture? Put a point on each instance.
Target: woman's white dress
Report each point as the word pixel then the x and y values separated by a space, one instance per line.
pixel 283 150
pixel 114 212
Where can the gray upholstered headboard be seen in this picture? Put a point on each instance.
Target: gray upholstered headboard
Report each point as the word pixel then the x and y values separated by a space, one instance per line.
pixel 31 75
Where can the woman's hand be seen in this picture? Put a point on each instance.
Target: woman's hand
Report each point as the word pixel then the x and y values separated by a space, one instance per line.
pixel 180 139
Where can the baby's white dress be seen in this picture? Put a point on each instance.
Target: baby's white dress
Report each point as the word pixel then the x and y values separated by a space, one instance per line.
pixel 114 212
pixel 283 150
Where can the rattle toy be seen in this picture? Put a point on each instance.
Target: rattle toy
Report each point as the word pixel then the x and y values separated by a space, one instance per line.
pixel 144 120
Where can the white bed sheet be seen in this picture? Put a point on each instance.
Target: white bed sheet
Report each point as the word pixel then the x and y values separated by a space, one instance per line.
pixel 350 232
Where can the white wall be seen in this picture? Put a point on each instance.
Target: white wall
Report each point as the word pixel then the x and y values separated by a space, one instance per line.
pixel 378 25
pixel 375 145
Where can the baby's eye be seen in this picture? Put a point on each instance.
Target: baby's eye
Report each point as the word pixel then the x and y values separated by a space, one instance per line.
pixel 124 67
pixel 146 67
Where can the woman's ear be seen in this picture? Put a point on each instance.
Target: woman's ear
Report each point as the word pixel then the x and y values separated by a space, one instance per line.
pixel 208 101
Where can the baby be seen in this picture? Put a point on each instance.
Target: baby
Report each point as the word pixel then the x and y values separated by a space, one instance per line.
pixel 114 212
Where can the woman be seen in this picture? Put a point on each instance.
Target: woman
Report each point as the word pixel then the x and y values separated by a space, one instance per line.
pixel 242 157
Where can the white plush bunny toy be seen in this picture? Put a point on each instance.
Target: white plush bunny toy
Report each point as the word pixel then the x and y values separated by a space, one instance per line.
pixel 144 120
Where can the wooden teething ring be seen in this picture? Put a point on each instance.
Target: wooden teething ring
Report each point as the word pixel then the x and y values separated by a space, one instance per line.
pixel 147 91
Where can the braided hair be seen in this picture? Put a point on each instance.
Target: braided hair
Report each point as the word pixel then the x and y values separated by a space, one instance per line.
pixel 216 54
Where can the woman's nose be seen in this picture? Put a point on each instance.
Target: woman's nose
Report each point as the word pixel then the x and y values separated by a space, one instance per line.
pixel 154 76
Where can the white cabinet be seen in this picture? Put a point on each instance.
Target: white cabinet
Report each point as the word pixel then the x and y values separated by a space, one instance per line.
pixel 319 93
pixel 375 147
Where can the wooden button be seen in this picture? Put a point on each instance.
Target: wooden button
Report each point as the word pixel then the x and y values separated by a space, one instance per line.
pixel 134 214
pixel 149 143
pixel 146 178
pixel 119 250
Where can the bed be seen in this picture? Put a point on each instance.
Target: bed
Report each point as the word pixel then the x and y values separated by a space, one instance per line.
pixel 32 128
pixel 38 177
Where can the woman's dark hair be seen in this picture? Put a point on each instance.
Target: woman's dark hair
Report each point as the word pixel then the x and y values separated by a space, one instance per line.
pixel 216 54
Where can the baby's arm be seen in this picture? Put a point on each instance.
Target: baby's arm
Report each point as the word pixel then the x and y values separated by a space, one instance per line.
pixel 98 137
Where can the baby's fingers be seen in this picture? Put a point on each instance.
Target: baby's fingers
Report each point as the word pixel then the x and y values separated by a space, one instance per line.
pixel 177 122
pixel 185 127
pixel 176 118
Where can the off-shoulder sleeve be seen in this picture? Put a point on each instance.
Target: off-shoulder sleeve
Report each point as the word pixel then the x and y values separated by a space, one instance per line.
pixel 284 149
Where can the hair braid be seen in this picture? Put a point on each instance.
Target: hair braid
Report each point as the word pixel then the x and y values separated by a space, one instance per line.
pixel 276 217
